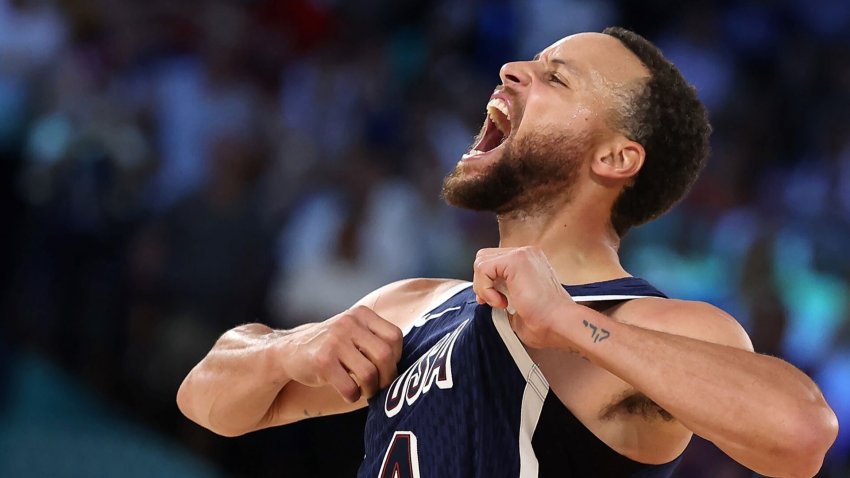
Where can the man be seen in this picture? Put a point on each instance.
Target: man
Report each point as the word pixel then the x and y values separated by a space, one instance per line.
pixel 518 375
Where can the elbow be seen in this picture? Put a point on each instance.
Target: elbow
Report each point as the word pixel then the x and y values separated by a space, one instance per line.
pixel 814 435
pixel 223 432
pixel 202 413
pixel 185 400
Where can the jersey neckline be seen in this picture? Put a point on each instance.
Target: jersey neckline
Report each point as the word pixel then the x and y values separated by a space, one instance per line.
pixel 627 287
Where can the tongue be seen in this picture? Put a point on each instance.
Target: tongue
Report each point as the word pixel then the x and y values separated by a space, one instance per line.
pixel 492 138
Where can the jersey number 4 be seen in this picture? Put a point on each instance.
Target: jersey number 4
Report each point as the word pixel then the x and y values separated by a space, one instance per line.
pixel 402 457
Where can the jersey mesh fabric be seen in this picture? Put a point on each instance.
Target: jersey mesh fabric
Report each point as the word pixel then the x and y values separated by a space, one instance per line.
pixel 472 428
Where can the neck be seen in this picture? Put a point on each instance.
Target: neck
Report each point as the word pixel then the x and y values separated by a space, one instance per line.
pixel 580 247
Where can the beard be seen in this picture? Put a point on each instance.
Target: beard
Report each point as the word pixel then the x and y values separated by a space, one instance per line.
pixel 532 174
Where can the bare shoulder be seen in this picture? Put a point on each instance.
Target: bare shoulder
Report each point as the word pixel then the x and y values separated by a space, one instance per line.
pixel 694 319
pixel 403 301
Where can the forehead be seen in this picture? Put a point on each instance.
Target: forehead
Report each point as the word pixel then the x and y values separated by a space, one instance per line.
pixel 599 54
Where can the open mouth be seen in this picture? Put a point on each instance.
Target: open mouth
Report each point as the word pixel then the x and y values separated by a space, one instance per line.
pixel 497 127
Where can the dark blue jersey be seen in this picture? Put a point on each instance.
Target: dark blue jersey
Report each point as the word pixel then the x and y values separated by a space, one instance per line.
pixel 470 402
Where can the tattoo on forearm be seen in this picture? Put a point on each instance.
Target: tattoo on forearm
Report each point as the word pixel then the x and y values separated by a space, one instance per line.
pixel 599 334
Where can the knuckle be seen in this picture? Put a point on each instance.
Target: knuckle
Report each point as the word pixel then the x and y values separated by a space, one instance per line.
pixel 342 322
pixel 370 376
pixel 384 355
pixel 398 336
pixel 351 391
pixel 331 344
pixel 361 310
pixel 322 359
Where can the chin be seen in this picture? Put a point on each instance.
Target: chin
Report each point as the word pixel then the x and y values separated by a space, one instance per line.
pixel 486 182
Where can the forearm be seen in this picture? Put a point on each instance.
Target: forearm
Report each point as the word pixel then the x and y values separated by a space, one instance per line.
pixel 760 410
pixel 232 389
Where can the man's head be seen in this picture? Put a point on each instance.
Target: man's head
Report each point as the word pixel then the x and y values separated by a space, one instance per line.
pixel 605 114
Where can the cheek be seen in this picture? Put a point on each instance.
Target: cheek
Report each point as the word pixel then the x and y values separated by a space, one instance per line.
pixel 558 120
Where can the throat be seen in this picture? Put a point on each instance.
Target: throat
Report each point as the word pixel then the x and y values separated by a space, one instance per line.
pixel 578 252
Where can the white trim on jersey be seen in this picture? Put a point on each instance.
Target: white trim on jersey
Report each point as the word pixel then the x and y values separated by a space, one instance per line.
pixel 439 300
pixel 448 294
pixel 427 317
pixel 412 454
pixel 536 389
pixel 601 298
pixel 536 385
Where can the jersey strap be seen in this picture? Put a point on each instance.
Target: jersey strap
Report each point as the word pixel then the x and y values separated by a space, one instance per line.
pixel 537 387
pixel 533 397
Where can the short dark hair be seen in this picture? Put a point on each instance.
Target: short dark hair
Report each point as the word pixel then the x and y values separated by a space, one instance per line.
pixel 667 118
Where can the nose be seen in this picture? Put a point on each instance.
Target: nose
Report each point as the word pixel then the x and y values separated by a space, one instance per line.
pixel 517 73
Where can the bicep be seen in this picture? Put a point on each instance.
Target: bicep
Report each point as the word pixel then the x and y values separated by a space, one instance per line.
pixel 297 402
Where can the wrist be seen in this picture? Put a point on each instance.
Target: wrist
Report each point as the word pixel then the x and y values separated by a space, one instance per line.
pixel 579 327
pixel 559 315
pixel 278 352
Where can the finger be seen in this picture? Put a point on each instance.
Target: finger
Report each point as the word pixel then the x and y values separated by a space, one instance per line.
pixel 502 288
pixel 384 329
pixel 479 285
pixel 489 252
pixel 495 298
pixel 339 378
pixel 493 268
pixel 487 284
pixel 390 334
pixel 491 296
pixel 494 260
pixel 380 353
pixel 364 371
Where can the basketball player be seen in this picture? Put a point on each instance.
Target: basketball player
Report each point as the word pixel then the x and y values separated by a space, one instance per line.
pixel 516 374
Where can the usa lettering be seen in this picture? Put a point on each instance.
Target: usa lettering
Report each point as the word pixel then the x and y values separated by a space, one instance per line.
pixel 435 367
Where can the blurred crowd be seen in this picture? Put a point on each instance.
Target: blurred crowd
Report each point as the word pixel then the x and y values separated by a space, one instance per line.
pixel 175 168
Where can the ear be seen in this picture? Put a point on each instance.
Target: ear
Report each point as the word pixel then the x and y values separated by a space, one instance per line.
pixel 620 160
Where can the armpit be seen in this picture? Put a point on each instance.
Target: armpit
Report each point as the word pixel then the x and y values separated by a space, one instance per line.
pixel 636 404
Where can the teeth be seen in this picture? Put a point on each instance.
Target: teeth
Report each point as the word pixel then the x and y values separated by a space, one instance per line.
pixel 502 121
pixel 499 104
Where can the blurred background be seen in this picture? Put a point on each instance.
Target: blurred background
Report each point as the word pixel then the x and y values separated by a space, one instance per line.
pixel 171 169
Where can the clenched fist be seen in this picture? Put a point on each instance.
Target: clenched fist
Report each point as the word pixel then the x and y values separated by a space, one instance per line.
pixel 522 281
pixel 355 352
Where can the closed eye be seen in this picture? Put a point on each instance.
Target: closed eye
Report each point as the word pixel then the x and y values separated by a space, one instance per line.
pixel 554 78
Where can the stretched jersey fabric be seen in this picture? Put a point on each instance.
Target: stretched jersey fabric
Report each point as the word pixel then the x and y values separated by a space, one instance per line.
pixel 470 402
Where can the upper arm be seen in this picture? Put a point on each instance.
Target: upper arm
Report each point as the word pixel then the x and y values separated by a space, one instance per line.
pixel 696 320
pixel 636 418
pixel 404 301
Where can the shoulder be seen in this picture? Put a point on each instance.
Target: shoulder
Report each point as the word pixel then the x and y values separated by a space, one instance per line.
pixel 404 301
pixel 694 319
